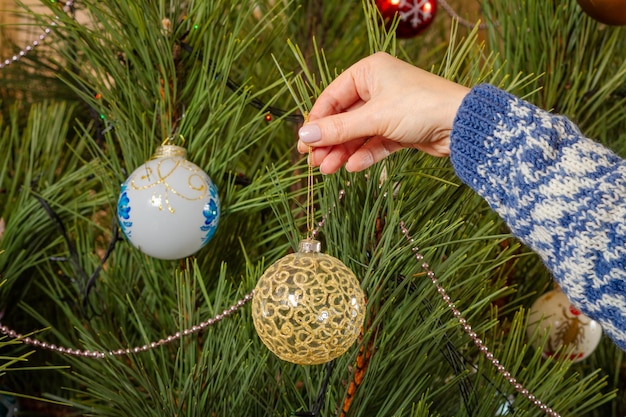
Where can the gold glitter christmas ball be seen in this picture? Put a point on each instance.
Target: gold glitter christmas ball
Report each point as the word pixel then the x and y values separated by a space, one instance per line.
pixel 308 307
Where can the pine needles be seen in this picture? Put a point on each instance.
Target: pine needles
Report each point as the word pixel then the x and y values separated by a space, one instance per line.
pixel 211 73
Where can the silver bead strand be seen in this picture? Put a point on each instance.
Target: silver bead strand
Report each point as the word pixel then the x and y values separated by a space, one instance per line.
pixel 472 335
pixel 29 48
pixel 248 297
pixel 128 351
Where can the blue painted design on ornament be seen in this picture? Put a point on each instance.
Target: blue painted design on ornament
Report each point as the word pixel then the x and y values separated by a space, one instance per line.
pixel 123 212
pixel 211 212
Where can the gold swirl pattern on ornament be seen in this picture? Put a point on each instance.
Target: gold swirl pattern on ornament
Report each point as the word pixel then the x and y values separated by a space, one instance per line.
pixel 195 181
pixel 308 308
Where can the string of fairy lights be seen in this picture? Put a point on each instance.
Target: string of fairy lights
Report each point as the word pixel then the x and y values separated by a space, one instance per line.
pixel 235 307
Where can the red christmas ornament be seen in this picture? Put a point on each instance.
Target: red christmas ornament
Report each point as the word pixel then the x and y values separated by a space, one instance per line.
pixel 414 15
pixel 610 12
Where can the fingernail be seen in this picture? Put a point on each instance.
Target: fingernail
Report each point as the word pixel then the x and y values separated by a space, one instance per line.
pixel 310 133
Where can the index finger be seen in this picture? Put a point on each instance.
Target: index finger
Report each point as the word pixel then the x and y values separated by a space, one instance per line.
pixel 341 94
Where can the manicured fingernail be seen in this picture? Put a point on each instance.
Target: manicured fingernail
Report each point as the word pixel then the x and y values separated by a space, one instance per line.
pixel 310 133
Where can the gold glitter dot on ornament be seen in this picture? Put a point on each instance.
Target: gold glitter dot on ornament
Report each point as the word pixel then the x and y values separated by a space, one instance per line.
pixel 308 307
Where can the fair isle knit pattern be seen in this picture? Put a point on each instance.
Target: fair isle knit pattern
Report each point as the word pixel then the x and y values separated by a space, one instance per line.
pixel 561 194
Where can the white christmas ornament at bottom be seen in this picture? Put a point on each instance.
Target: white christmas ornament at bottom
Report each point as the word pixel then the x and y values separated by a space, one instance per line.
pixel 570 332
pixel 308 307
pixel 168 208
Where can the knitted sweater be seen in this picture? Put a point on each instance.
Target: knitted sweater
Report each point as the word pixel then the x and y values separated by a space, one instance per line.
pixel 562 194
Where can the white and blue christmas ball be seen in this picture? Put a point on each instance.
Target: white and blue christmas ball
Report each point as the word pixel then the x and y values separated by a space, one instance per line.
pixel 168 208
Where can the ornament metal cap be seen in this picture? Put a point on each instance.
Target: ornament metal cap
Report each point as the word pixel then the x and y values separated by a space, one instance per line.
pixel 309 246
pixel 169 150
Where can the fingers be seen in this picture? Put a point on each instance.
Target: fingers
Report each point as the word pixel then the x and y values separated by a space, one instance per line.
pixel 357 104
pixel 331 158
pixel 343 93
pixel 312 132
pixel 362 122
pixel 339 114
pixel 356 155
pixel 374 150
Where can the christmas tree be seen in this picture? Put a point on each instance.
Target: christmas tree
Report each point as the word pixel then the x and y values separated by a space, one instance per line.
pixel 94 326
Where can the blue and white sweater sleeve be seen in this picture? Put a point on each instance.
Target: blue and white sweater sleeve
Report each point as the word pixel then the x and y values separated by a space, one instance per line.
pixel 562 194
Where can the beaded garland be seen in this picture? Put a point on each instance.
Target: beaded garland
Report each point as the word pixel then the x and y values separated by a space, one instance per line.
pixel 120 352
pixel 46 31
pixel 467 328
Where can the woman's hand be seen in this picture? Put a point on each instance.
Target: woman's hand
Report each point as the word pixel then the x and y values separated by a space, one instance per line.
pixel 376 107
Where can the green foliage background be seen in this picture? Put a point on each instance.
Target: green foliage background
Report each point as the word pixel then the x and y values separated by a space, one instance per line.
pixel 79 116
